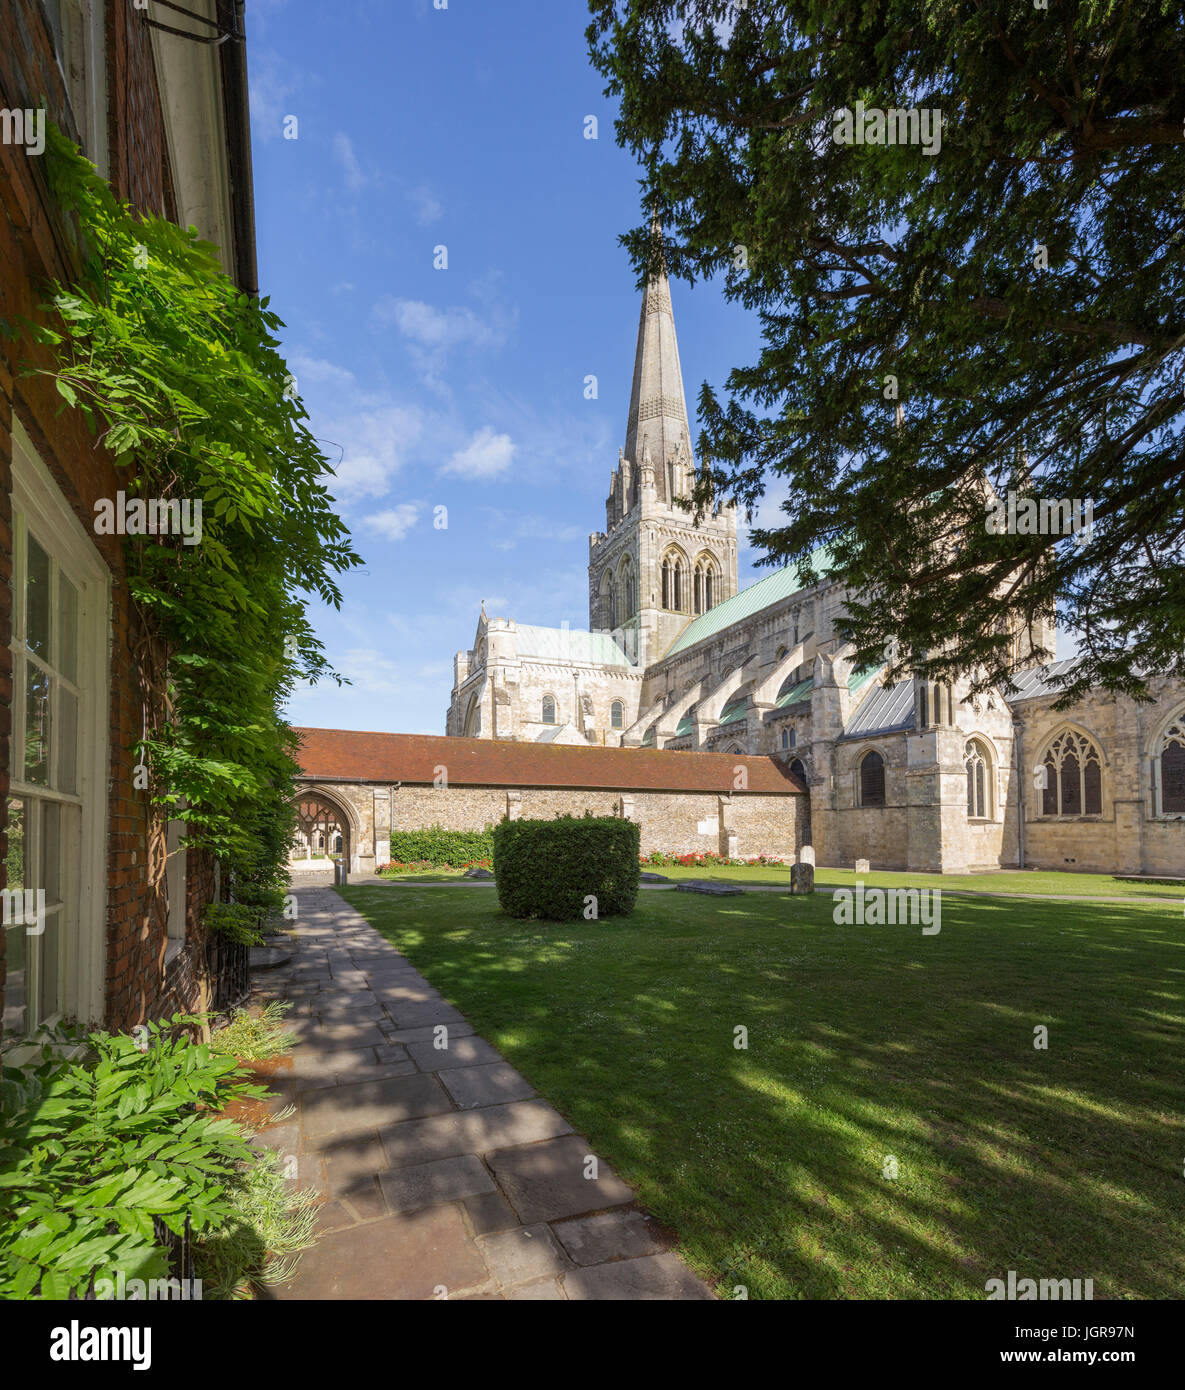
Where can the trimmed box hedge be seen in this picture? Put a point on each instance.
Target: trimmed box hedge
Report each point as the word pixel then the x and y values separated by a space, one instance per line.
pixel 551 868
pixel 440 847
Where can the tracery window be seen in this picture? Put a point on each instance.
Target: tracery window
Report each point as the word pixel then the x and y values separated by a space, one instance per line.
pixel 1072 776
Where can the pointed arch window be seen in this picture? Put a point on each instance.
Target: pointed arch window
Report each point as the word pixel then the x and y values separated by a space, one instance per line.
pixel 1171 759
pixel 617 714
pixel 674 582
pixel 549 709
pixel 872 780
pixel 625 605
pixel 1072 777
pixel 977 761
pixel 705 584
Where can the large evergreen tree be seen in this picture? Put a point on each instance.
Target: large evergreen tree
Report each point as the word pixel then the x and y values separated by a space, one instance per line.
pixel 1008 306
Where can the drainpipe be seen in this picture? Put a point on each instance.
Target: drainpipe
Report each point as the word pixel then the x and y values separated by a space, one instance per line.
pixel 237 115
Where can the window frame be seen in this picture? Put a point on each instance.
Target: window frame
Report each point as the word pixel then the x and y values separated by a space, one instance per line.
pixel 1054 784
pixel 861 763
pixel 1171 730
pixel 38 505
pixel 977 747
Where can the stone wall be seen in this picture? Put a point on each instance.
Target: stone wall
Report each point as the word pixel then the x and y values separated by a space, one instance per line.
pixel 747 824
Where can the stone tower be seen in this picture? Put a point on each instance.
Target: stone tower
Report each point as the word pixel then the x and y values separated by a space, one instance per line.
pixel 652 570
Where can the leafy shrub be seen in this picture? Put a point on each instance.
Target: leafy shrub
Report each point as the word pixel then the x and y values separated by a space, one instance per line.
pixel 441 848
pixel 241 922
pixel 92 1151
pixel 550 868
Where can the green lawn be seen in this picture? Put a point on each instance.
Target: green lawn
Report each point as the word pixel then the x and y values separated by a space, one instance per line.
pixel 1043 882
pixel 864 1042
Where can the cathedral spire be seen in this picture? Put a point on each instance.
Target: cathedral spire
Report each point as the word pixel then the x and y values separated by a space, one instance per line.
pixel 658 408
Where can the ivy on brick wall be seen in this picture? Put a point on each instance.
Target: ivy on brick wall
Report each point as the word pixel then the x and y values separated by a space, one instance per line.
pixel 177 373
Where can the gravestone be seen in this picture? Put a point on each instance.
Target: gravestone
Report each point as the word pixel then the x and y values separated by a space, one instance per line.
pixel 802 878
pixel 478 873
pixel 862 866
pixel 715 890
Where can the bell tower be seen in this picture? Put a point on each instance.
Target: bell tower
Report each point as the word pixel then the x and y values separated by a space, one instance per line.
pixel 653 570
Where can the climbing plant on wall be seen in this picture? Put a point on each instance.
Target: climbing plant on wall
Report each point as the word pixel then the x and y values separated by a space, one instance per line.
pixel 177 373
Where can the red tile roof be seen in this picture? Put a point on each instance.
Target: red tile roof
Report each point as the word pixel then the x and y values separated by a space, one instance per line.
pixel 342 755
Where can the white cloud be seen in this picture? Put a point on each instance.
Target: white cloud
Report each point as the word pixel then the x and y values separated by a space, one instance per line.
pixel 273 85
pixel 428 206
pixel 485 456
pixel 433 335
pixel 395 523
pixel 365 434
pixel 343 149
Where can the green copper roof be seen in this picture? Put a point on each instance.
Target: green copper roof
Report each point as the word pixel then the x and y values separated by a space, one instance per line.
pixel 796 694
pixel 770 590
pixel 735 710
pixel 570 644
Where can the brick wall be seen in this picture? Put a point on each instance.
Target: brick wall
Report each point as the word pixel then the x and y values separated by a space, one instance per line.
pixel 33 251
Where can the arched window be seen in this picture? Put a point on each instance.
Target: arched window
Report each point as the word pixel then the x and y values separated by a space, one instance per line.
pixel 1072 777
pixel 608 601
pixel 783 653
pixel 1172 768
pixel 872 780
pixel 549 709
pixel 706 587
pixel 793 738
pixel 798 768
pixel 785 738
pixel 617 714
pixel 977 761
pixel 625 592
pixel 674 582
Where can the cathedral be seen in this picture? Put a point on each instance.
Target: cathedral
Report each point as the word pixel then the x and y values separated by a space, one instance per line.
pixel 916 775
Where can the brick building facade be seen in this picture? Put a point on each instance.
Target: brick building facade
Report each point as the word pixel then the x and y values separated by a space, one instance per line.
pixel 164 119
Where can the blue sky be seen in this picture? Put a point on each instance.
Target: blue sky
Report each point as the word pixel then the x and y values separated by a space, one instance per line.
pixel 460 388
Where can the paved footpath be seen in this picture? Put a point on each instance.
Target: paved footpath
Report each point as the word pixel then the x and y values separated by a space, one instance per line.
pixel 443 1173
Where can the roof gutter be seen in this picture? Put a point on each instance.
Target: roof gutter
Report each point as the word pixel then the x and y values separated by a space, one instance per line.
pixel 237 115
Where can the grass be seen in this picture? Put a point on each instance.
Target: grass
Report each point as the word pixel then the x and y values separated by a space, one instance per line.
pixel 255 1037
pixel 864 1043
pixel 1043 882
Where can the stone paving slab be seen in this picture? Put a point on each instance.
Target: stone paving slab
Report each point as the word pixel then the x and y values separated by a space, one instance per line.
pixel 442 1173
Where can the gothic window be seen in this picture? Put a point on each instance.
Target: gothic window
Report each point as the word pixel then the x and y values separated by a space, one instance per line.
pixel 706 584
pixel 977 761
pixel 625 592
pixel 674 582
pixel 549 709
pixel 798 769
pixel 785 738
pixel 617 714
pixel 872 780
pixel 1072 777
pixel 793 737
pixel 608 601
pixel 1172 768
pixel 783 653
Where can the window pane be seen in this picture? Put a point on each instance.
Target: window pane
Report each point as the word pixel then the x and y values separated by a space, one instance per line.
pixel 1049 794
pixel 970 787
pixel 37 606
pixel 1092 776
pixel 16 942
pixel 66 776
pixel 980 792
pixel 1071 786
pixel 48 992
pixel 51 852
pixel 1172 779
pixel 16 842
pixel 36 725
pixel 67 628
